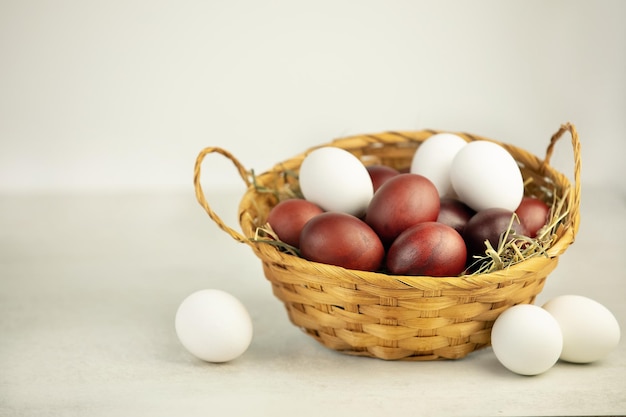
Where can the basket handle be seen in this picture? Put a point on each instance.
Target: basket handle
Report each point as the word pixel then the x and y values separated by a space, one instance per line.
pixel 575 195
pixel 243 173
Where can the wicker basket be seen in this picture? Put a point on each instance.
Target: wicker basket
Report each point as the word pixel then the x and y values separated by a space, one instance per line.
pixel 399 317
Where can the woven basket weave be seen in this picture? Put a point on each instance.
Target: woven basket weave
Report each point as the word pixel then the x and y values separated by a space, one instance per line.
pixel 399 317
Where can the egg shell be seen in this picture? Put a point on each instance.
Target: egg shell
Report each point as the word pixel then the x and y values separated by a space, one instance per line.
pixel 401 202
pixel 533 213
pixel 380 174
pixel 288 217
pixel 490 224
pixel 213 325
pixel 484 175
pixel 454 213
pixel 590 330
pixel 526 339
pixel 343 240
pixel 433 159
pixel 429 248
pixel 336 180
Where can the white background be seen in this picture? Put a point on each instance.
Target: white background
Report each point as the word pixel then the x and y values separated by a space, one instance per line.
pixel 103 100
pixel 123 94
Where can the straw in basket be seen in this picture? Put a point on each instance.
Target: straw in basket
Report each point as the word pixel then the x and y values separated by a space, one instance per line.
pixel 399 317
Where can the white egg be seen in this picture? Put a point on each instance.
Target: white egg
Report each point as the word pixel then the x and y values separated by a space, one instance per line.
pixel 485 175
pixel 213 325
pixel 526 339
pixel 590 330
pixel 336 180
pixel 433 159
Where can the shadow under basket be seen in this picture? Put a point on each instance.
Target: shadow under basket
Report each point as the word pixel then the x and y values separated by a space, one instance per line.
pixel 399 317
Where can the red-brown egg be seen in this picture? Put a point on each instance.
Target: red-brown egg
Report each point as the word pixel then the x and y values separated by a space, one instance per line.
pixel 430 248
pixel 288 217
pixel 489 224
pixel 341 239
pixel 380 174
pixel 454 213
pixel 533 214
pixel 401 202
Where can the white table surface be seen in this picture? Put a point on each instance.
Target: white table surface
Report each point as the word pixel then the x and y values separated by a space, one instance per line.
pixel 89 285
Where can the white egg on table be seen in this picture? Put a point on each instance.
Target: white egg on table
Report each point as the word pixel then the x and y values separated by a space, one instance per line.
pixel 213 325
pixel 433 159
pixel 336 180
pixel 590 330
pixel 526 339
pixel 485 175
